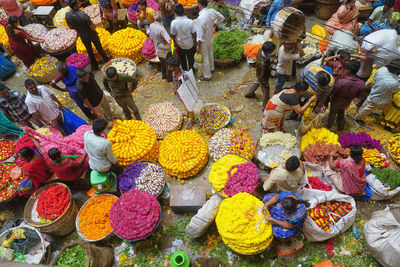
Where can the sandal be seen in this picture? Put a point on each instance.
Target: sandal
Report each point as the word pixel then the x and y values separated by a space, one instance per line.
pixel 202 78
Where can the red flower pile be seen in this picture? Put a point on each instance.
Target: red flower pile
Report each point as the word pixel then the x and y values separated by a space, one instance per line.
pixel 135 215
pixel 245 179
pixel 8 186
pixel 52 202
pixel 7 148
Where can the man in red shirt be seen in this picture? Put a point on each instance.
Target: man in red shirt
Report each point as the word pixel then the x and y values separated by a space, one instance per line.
pixel 338 64
pixel 12 9
pixel 344 91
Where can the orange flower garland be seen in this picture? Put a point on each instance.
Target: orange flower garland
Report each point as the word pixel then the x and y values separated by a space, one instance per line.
pixel 95 217
pixel 187 2
pixel 127 43
pixel 43 2
pixel 133 140
pixel 104 37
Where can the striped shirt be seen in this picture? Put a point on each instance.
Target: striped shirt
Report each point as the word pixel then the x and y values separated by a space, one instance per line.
pixel 309 74
pixel 15 106
pixel 386 84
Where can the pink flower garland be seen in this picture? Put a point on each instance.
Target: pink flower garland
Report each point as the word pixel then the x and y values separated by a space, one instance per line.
pixel 78 60
pixel 245 179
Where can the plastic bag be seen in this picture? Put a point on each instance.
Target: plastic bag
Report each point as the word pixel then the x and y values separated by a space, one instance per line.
pixel 378 190
pixel 382 235
pixel 204 217
pixel 311 230
pixel 6 67
pixel 6 254
pixel 71 121
pixel 319 31
pixel 198 58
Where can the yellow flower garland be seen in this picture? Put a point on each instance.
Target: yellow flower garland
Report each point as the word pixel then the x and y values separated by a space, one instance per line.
pixel 322 135
pixel 127 43
pixel 4 37
pixel 242 225
pixel 104 37
pixel 219 171
pixel 183 153
pixel 59 17
pixel 133 140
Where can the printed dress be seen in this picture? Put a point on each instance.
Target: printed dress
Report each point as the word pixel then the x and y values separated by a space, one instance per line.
pixel 274 114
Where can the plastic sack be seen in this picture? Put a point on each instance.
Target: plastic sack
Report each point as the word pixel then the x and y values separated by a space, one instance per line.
pixel 6 254
pixel 148 49
pixel 311 230
pixel 6 67
pixel 204 217
pixel 319 31
pixel 378 190
pixel 382 235
pixel 71 121
pixel 316 171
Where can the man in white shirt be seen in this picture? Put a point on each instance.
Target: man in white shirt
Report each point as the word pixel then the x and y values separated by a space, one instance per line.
pixel 162 44
pixel 183 33
pixel 99 150
pixel 204 26
pixel 43 104
pixel 288 53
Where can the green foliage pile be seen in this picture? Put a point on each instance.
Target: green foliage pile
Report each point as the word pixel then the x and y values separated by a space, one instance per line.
pixel 229 45
pixel 387 176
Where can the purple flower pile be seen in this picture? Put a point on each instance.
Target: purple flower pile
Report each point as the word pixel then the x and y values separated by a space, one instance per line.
pixel 359 139
pixel 135 215
pixel 245 179
pixel 127 178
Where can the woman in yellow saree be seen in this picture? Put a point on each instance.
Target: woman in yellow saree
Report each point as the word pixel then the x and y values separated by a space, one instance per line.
pixel 345 18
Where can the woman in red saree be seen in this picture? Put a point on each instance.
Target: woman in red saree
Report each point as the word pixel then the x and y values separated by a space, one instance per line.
pixel 348 174
pixel 20 42
pixel 35 169
pixel 345 18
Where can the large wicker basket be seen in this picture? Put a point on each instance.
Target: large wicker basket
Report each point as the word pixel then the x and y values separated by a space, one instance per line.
pixel 78 222
pixel 63 225
pixel 223 62
pixel 48 77
pixel 95 256
pixel 211 130
pixel 106 65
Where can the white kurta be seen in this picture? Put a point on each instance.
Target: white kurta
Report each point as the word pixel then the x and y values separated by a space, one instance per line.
pixel 204 27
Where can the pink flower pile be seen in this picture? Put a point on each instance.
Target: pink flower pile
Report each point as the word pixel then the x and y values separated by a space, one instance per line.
pixel 93 11
pixel 245 179
pixel 78 60
pixel 135 215
pixel 36 30
pixel 59 39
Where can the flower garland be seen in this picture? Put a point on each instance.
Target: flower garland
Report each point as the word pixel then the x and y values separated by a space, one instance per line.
pixel 104 37
pixel 394 146
pixel 127 43
pixel 242 225
pixel 163 118
pixel 245 179
pixel 374 158
pixel 219 171
pixel 42 67
pixel 242 144
pixel 187 2
pixel 59 39
pixel 124 65
pixel 52 202
pixel 220 143
pixel 94 217
pixel 133 140
pixel 8 185
pixel 43 2
pixel 59 17
pixel 36 30
pixel 4 37
pixel 78 60
pixel 93 11
pixel 319 153
pixel 135 215
pixel 183 153
pixel 278 138
pixel 214 116
pixel 322 135
pixel 7 148
pixel 359 139
pixel 323 213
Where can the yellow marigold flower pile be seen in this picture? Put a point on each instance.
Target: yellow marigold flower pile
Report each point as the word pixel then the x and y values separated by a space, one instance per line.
pixel 42 67
pixel 93 2
pixel 373 157
pixel 4 37
pixel 133 140
pixel 187 2
pixel 322 135
pixel 219 171
pixel 307 114
pixel 242 144
pixel 127 43
pixel 183 153
pixel 104 37
pixel 242 225
pixel 94 217
pixel 59 17
pixel 128 2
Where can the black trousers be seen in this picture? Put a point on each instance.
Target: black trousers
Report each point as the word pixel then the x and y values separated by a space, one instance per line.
pixel 337 113
pixel 166 74
pixel 87 42
pixel 186 57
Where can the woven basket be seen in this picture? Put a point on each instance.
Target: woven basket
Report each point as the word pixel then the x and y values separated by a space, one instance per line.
pixel 48 77
pixel 106 65
pixel 223 62
pixel 78 222
pixel 63 225
pixel 211 130
pixel 15 192
pixel 95 256
pixel 162 135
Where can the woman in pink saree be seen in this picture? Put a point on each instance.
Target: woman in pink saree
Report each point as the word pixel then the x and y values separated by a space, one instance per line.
pixel 348 174
pixel 345 18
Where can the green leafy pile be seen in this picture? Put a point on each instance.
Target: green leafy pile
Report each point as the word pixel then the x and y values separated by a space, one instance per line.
pixel 229 45
pixel 72 257
pixel 387 176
